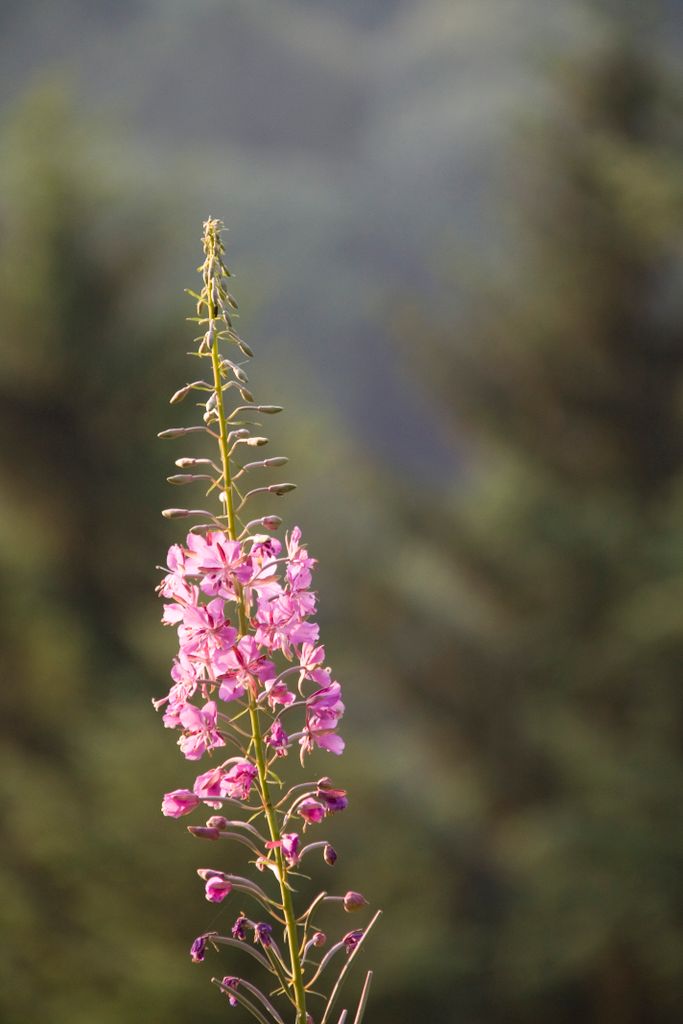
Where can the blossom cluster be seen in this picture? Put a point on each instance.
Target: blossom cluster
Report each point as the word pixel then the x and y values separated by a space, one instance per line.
pixel 217 666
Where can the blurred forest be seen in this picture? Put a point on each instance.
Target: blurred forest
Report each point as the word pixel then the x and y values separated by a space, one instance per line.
pixel 456 229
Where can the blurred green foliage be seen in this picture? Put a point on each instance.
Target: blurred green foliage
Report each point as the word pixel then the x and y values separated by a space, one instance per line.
pixel 510 640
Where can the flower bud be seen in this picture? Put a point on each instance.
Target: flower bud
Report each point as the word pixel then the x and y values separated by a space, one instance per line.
pixel 256 442
pixel 319 939
pixel 239 373
pixel 270 410
pixel 329 854
pixel 204 833
pixel 174 432
pixel 185 478
pixel 217 821
pixel 280 489
pixel 180 394
pixel 175 513
pixel 187 463
pixel 271 522
pixel 354 901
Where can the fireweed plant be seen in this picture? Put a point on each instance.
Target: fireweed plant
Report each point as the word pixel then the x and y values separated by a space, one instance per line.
pixel 250 689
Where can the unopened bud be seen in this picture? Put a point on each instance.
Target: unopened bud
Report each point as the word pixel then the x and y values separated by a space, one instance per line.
pixel 276 460
pixel 281 488
pixel 239 373
pixel 271 522
pixel 180 394
pixel 185 478
pixel 245 348
pixel 329 854
pixel 268 409
pixel 246 395
pixel 354 901
pixel 202 832
pixel 318 939
pixel 187 463
pixel 217 821
pixel 177 432
pixel 175 513
pixel 256 442
pixel 325 782
pixel 235 435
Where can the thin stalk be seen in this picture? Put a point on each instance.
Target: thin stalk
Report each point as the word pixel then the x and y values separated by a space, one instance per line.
pixel 344 971
pixel 257 737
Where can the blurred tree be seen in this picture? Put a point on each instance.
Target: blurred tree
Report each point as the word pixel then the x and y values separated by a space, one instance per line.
pixel 541 633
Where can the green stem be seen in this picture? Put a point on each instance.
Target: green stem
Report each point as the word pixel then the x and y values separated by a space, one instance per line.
pixel 257 736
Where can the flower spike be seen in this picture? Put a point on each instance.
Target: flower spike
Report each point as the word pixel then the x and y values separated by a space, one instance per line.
pixel 250 673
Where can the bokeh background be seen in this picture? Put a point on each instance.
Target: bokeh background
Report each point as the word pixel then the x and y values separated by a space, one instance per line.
pixel 456 230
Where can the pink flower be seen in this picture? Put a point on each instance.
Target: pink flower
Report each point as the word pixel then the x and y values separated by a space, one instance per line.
pixel 204 630
pixel 290 847
pixel 289 844
pixel 312 811
pixel 208 786
pixel 264 549
pixel 220 562
pixel 300 565
pixel 236 782
pixel 179 802
pixel 184 596
pixel 277 693
pixel 311 657
pixel 280 623
pixel 200 732
pixel 217 888
pixel 277 738
pixel 239 668
pixel 324 708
